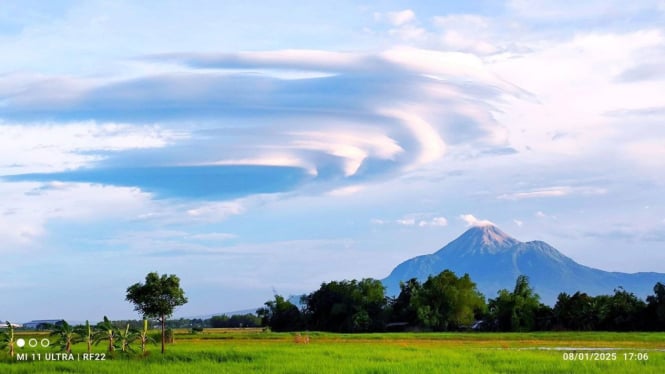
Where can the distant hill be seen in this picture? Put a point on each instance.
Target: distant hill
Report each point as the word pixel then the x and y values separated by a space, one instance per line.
pixel 493 259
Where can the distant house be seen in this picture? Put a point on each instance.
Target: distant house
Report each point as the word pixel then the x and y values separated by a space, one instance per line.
pixel 41 323
pixel 14 325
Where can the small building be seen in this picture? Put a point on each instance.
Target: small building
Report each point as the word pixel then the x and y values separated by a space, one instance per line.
pixel 14 325
pixel 38 324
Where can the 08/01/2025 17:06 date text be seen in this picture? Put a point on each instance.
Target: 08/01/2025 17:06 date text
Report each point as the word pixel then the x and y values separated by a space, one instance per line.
pixel 605 356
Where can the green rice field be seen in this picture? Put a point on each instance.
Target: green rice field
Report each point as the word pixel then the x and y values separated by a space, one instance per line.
pixel 240 351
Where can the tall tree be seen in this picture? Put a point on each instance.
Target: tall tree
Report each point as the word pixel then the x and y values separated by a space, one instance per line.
pixel 280 314
pixel 403 306
pixel 347 306
pixel 623 311
pixel 517 310
pixel 157 298
pixel 448 302
pixel 576 312
pixel 656 307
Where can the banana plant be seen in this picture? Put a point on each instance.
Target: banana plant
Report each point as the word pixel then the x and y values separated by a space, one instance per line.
pixel 87 334
pixel 106 332
pixel 66 335
pixel 126 337
pixel 144 338
pixel 7 339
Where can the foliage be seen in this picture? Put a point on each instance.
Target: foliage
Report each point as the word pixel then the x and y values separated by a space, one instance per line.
pixel 280 314
pixel 446 302
pixel 347 306
pixel 7 339
pixel 517 310
pixel 236 320
pixel 158 297
pixel 655 312
pixel 143 336
pixel 86 334
pixel 106 331
pixel 126 337
pixel 66 336
pixel 403 308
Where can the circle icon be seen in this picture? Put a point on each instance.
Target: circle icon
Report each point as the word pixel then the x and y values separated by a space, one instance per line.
pixel 20 342
pixel 45 343
pixel 32 342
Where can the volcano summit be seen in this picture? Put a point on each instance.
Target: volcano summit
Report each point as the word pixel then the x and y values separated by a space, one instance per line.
pixel 494 259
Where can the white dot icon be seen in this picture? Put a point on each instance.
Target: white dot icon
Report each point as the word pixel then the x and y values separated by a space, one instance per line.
pixel 20 343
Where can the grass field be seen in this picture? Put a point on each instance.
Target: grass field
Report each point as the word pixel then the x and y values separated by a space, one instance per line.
pixel 234 351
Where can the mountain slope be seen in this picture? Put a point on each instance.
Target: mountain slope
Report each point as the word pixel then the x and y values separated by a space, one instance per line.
pixel 493 259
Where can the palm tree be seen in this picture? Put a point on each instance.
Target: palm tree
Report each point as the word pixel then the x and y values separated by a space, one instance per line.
pixel 7 338
pixel 66 335
pixel 86 333
pixel 126 337
pixel 106 331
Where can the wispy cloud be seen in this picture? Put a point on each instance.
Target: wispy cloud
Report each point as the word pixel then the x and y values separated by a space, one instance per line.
pixel 471 220
pixel 557 191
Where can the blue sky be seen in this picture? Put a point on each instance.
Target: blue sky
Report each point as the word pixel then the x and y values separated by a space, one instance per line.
pixel 277 145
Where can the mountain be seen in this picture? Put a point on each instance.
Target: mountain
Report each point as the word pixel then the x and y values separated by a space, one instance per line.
pixel 493 259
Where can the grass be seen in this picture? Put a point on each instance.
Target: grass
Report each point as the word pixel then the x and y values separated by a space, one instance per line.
pixel 232 351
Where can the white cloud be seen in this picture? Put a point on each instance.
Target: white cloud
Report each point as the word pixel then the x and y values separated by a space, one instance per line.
pixel 553 192
pixel 406 221
pixel 436 221
pixel 55 147
pixel 567 11
pixel 28 207
pixel 647 153
pixel 216 211
pixel 432 147
pixel 346 191
pixel 518 222
pixel 354 146
pixel 586 66
pixel 421 220
pixel 466 32
pixel 281 159
pixel 471 220
pixel 400 18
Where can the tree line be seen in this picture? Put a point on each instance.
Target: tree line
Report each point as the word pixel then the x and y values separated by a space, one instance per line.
pixel 446 302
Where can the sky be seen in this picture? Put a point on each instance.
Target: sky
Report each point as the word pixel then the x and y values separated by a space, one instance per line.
pixel 254 148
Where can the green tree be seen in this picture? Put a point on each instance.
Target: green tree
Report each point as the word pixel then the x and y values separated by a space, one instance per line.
pixel 403 306
pixel 656 307
pixel 447 302
pixel 157 298
pixel 7 339
pixel 106 331
pixel 66 335
pixel 577 312
pixel 517 310
pixel 623 311
pixel 280 314
pixel 347 306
